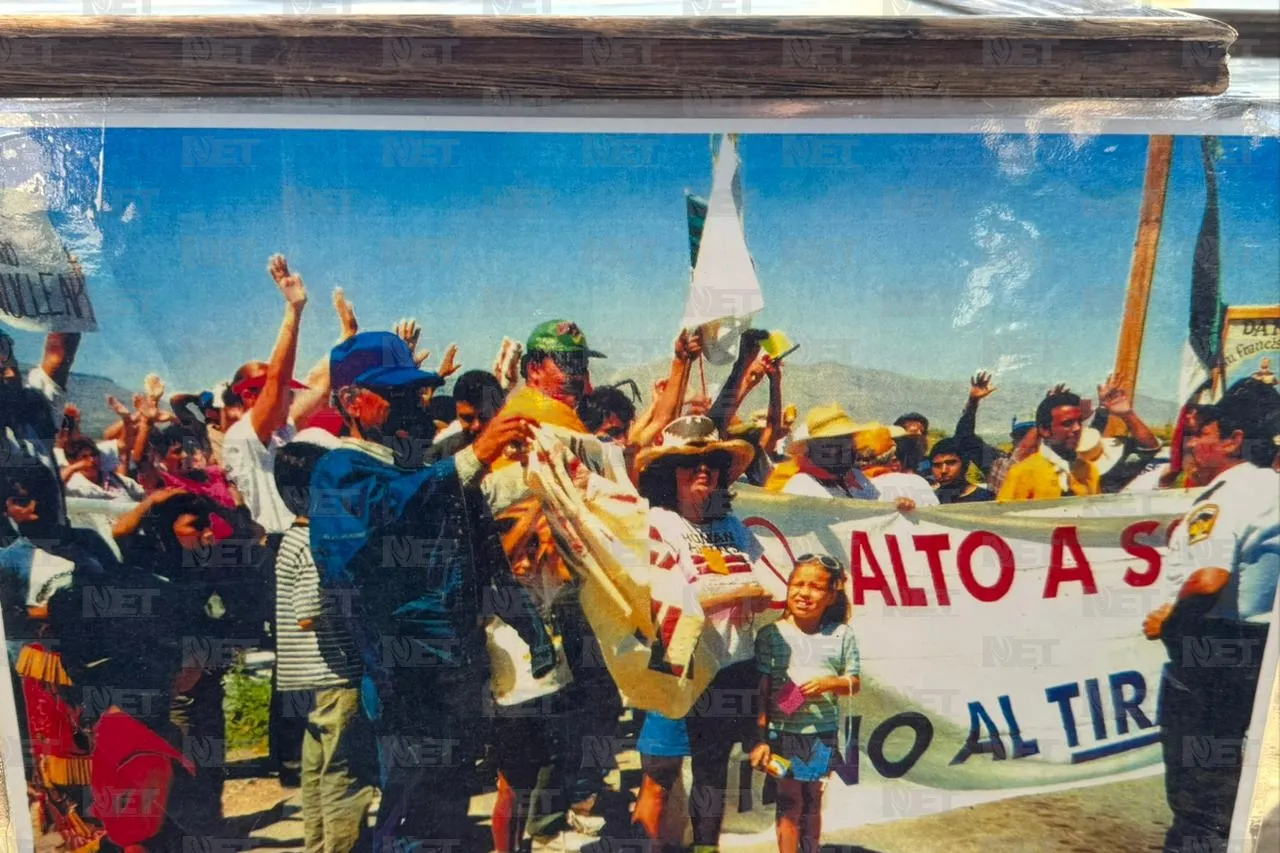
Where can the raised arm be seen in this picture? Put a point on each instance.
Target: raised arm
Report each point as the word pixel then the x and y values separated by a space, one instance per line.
pixel 773 424
pixel 126 436
pixel 271 410
pixel 731 395
pixel 974 449
pixel 307 404
pixel 666 406
pixel 1117 401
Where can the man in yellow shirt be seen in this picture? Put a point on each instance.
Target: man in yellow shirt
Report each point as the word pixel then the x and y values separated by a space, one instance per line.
pixel 1054 471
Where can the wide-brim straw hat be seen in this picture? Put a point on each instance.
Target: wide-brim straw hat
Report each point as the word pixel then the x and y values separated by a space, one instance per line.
pixel 695 435
pixel 830 421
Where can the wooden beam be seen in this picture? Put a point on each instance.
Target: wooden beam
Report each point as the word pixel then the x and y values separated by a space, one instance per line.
pixel 704 61
pixel 1145 247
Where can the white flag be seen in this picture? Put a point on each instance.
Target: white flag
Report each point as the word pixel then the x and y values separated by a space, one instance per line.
pixel 724 295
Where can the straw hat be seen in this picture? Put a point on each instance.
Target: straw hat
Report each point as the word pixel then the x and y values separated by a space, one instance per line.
pixel 829 421
pixel 1102 451
pixel 695 435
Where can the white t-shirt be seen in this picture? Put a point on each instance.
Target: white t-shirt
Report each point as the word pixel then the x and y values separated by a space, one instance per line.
pixel 717 557
pixel 900 484
pixel 1233 525
pixel 1147 481
pixel 116 488
pixel 810 486
pixel 887 488
pixel 251 467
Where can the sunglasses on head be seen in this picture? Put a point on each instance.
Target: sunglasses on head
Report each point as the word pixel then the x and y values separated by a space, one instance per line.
pixel 827 562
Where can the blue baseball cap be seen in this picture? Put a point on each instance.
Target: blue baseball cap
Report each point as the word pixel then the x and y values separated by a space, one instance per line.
pixel 1018 428
pixel 377 359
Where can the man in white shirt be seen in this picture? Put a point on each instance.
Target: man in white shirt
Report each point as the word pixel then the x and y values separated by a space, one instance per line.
pixel 271 409
pixel 1224 564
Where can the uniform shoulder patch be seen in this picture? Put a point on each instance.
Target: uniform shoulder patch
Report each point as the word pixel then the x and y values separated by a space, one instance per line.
pixel 1200 522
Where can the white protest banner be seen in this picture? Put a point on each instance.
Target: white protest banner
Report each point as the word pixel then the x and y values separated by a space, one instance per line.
pixel 1002 647
pixel 40 289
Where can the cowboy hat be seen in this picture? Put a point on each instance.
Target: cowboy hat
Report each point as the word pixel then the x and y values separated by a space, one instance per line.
pixel 695 435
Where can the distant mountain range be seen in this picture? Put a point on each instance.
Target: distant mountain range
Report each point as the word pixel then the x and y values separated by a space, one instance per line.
pixel 883 396
pixel 866 394
pixel 89 393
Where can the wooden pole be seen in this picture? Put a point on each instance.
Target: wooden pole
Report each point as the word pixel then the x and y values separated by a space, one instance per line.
pixel 1134 322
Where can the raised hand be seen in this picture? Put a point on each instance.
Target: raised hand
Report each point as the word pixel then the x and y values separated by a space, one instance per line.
pixel 153 387
pixel 410 332
pixel 290 284
pixel 694 343
pixel 146 407
pixel 346 315
pixel 116 406
pixel 980 386
pixel 761 367
pixel 1115 398
pixel 449 365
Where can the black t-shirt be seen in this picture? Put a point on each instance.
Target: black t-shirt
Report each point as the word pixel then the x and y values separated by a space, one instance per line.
pixel 956 495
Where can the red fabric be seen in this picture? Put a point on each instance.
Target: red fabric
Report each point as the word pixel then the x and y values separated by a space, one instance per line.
pixel 327 419
pixel 132 777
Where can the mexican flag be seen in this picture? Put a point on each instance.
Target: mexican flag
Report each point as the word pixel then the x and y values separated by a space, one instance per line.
pixel 1203 351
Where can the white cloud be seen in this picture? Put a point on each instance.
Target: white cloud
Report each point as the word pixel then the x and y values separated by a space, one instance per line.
pixel 1010 248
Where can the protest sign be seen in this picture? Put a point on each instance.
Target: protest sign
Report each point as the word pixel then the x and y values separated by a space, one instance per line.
pixel 1002 647
pixel 1251 343
pixel 40 288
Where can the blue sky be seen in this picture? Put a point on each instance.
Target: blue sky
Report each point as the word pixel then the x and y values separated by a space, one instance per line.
pixel 930 255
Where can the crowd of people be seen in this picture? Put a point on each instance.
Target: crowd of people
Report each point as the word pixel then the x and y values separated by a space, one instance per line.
pixel 430 640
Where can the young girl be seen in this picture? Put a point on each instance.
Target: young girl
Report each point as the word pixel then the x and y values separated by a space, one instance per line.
pixel 806 660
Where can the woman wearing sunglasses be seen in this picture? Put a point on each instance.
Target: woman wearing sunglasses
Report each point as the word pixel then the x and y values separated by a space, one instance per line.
pixel 686 478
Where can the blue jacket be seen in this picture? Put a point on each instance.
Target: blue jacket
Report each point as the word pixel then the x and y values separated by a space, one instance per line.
pixel 416 560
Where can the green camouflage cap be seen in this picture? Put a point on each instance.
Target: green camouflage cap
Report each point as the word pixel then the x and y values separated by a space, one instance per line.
pixel 562 336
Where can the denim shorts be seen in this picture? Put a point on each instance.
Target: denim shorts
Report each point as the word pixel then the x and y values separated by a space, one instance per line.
pixel 811 755
pixel 663 736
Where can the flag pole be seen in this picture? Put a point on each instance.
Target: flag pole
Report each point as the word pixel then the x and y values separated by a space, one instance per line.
pixel 1142 270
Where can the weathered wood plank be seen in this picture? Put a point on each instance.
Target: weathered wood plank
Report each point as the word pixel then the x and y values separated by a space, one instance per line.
pixel 615 57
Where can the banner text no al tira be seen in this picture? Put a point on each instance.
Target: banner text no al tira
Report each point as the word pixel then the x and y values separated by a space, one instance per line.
pixel 40 289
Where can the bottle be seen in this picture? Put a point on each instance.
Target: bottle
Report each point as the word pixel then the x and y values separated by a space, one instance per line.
pixel 778 767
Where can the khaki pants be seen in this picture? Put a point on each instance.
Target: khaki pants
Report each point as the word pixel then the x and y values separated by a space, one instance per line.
pixel 339 772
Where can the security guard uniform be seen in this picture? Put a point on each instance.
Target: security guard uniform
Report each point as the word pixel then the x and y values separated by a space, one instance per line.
pixel 1215 646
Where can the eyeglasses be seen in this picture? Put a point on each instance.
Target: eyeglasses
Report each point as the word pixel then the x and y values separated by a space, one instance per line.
pixel 718 461
pixel 828 562
pixel 21 500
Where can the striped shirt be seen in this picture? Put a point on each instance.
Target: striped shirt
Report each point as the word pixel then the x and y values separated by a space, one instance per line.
pixel 324 656
pixel 791 657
